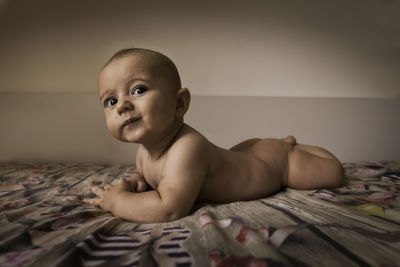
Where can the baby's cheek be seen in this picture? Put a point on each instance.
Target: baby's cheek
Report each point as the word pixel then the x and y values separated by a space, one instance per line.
pixel 113 129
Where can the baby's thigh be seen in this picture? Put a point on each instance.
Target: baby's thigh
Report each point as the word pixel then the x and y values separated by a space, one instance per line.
pixel 309 171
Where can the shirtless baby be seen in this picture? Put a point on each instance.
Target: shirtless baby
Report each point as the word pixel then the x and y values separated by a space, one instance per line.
pixel 176 166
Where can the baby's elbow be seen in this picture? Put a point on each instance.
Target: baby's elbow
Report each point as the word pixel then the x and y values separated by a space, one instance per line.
pixel 173 215
pixel 174 211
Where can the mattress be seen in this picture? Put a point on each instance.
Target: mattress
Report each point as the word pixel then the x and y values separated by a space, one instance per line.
pixel 43 222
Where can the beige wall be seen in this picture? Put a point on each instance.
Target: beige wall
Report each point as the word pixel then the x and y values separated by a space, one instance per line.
pixel 341 48
pixel 326 71
pixel 69 127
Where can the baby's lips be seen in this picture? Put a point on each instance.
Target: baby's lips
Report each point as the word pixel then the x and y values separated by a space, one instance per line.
pixel 129 121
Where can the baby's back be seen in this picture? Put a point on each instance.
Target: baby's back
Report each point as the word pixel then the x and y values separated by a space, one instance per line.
pixel 247 172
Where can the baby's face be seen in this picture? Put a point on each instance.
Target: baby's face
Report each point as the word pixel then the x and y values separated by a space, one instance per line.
pixel 138 103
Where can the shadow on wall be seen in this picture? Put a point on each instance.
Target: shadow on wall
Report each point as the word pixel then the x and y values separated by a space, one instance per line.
pixel 340 48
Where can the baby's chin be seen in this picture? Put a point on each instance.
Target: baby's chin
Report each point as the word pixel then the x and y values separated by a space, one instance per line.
pixel 129 138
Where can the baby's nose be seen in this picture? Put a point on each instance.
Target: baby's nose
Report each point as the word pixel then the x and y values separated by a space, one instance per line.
pixel 124 105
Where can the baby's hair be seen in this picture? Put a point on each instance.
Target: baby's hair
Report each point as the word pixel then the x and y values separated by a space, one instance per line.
pixel 165 61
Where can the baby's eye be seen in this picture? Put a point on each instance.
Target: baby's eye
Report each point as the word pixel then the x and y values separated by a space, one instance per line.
pixel 138 90
pixel 111 101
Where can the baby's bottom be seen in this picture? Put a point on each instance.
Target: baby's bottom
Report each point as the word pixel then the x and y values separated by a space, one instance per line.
pixel 312 167
pixel 308 167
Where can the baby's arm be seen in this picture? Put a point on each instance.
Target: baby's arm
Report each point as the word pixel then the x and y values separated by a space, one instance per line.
pixel 137 182
pixel 182 177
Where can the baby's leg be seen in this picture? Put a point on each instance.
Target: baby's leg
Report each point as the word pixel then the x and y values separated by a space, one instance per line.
pixel 313 167
pixel 290 140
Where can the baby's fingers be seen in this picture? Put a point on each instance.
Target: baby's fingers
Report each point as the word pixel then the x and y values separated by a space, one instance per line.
pixel 137 186
pixel 132 184
pixel 92 201
pixel 124 184
pixel 141 186
pixel 97 190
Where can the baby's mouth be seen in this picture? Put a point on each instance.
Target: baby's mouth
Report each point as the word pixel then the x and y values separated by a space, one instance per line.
pixel 130 121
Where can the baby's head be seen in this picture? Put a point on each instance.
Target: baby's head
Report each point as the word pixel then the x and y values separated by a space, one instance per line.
pixel 141 93
pixel 160 62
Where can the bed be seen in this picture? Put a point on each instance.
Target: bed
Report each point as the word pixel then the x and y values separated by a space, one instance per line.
pixel 45 223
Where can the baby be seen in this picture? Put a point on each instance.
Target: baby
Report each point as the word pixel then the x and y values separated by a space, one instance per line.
pixel 144 102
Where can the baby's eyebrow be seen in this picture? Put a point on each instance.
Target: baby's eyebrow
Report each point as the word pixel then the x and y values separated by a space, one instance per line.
pixel 135 79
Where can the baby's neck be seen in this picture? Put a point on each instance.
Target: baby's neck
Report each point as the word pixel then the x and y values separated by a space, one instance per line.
pixel 158 149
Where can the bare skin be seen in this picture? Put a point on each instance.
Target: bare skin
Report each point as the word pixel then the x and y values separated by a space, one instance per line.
pixel 178 163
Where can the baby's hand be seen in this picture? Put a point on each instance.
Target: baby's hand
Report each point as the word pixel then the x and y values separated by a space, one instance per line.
pixel 109 195
pixel 137 183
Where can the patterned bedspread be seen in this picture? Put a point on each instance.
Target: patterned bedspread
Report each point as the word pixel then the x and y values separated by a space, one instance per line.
pixel 43 222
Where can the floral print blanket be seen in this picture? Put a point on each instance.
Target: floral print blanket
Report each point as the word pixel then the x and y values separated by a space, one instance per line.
pixel 43 222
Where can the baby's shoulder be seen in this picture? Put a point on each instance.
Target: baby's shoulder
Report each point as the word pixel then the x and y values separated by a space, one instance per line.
pixel 189 153
pixel 189 141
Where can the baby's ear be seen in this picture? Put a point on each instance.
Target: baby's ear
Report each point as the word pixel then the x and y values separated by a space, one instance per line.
pixel 182 101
